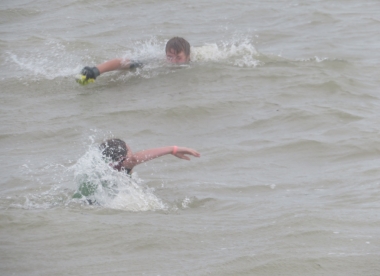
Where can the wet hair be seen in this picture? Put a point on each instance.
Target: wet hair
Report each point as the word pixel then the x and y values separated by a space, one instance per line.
pixel 178 44
pixel 114 149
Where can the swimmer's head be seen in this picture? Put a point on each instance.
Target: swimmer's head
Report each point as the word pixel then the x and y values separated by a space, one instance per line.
pixel 177 50
pixel 114 150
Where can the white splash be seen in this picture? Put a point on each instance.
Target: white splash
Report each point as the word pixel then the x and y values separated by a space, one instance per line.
pixel 239 52
pixel 98 182
pixel 54 59
pixel 146 49
pixel 49 62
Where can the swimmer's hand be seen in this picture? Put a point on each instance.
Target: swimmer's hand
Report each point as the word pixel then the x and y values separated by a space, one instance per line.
pixel 181 153
pixel 87 75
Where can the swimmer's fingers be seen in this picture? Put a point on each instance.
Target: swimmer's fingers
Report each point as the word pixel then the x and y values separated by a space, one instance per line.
pixel 83 80
pixel 182 156
pixel 183 152
pixel 87 75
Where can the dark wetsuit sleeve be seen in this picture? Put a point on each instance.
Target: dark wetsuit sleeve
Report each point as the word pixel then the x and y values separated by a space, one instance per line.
pixel 135 64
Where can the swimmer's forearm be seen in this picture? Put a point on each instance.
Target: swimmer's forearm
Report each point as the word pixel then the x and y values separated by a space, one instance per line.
pixel 146 155
pixel 114 64
pixel 149 154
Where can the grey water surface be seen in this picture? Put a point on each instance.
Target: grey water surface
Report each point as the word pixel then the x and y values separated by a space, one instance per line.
pixel 281 99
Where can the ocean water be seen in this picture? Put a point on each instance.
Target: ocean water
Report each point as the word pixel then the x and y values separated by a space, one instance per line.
pixel 280 98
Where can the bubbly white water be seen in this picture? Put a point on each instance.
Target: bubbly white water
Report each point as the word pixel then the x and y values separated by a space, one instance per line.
pixel 112 189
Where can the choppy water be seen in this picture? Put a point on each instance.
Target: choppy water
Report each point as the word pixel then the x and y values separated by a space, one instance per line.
pixel 281 99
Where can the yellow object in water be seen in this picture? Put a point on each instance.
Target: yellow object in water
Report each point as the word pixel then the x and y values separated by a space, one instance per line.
pixel 83 80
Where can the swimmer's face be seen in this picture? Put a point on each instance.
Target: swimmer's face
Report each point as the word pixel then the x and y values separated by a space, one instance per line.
pixel 177 58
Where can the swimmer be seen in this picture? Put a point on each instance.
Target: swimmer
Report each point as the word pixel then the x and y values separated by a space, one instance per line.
pixel 177 52
pixel 122 158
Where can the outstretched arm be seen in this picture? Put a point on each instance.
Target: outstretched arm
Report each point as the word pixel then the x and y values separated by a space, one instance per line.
pixel 89 74
pixel 146 155
pixel 114 64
